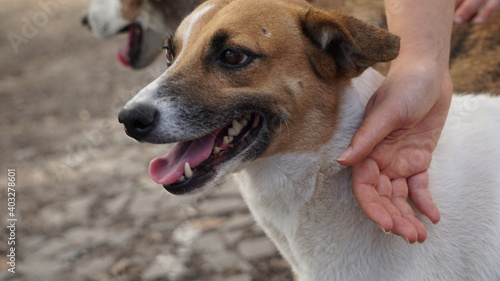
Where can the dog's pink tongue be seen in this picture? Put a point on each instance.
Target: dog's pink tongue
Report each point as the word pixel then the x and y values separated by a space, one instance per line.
pixel 168 169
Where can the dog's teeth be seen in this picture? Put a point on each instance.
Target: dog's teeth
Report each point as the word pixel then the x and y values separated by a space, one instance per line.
pixel 244 122
pixel 237 125
pixel 216 150
pixel 227 140
pixel 181 179
pixel 187 171
pixel 248 116
pixel 232 132
pixel 236 129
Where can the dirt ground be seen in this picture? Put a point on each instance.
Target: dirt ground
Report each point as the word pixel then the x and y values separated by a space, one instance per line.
pixel 85 207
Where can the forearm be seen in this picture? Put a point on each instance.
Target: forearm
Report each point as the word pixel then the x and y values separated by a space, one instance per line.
pixel 424 27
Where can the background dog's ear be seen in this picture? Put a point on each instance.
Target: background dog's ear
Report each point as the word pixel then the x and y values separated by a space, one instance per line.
pixel 353 44
pixel 131 8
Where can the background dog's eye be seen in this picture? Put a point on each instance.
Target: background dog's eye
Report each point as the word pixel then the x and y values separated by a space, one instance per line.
pixel 234 58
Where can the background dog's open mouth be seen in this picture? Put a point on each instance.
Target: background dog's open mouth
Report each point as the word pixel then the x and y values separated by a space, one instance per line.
pixel 190 164
pixel 133 47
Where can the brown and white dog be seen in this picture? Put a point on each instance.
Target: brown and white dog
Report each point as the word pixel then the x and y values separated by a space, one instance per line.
pixel 272 92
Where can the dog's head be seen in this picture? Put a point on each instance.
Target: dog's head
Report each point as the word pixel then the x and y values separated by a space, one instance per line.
pixel 249 79
pixel 147 22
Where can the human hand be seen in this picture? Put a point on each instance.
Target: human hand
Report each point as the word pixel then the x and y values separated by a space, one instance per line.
pixel 392 149
pixel 477 11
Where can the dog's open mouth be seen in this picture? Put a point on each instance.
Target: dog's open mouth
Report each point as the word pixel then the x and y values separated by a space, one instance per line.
pixel 190 164
pixel 133 47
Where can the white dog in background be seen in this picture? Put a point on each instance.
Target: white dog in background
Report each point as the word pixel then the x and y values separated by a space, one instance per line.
pixel 148 23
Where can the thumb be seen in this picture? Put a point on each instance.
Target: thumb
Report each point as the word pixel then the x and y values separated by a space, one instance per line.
pixel 378 124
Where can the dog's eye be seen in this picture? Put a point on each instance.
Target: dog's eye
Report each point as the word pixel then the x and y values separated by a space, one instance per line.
pixel 169 54
pixel 234 58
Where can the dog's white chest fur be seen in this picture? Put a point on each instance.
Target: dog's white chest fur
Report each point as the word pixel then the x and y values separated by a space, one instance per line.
pixel 305 204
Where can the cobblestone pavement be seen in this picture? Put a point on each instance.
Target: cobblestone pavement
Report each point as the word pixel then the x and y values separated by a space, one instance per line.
pixel 85 205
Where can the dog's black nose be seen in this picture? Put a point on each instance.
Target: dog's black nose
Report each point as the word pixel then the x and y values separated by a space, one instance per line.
pixel 85 21
pixel 139 120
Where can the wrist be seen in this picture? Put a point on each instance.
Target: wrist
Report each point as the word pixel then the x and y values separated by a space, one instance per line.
pixel 422 63
pixel 435 57
pixel 424 28
pixel 423 70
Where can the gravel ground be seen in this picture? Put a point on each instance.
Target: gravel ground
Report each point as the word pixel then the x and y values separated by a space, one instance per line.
pixel 85 207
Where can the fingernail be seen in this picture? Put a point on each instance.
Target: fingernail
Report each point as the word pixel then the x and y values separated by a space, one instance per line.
pixel 344 155
pixel 458 19
pixel 408 240
pixel 386 232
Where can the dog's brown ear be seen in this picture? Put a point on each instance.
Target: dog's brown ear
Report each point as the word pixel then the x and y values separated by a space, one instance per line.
pixel 353 44
pixel 131 8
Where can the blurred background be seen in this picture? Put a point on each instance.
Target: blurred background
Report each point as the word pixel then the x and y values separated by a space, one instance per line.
pixel 85 205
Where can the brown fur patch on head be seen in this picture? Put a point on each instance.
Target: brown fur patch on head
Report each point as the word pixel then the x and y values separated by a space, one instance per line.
pixel 131 8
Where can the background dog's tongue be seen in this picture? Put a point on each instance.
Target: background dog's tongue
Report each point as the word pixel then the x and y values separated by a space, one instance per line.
pixel 123 54
pixel 123 57
pixel 133 41
pixel 168 169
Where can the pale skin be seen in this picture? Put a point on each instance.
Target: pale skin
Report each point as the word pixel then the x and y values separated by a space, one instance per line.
pixel 392 150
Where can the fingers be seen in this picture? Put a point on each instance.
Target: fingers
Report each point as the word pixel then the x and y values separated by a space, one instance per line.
pixel 385 202
pixel 418 186
pixel 371 132
pixel 420 228
pixel 401 225
pixel 404 222
pixel 485 13
pixel 365 179
pixel 467 9
pixel 458 3
pixel 408 226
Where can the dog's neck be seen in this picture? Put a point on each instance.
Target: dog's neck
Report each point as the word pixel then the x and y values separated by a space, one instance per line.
pixel 352 107
pixel 286 192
